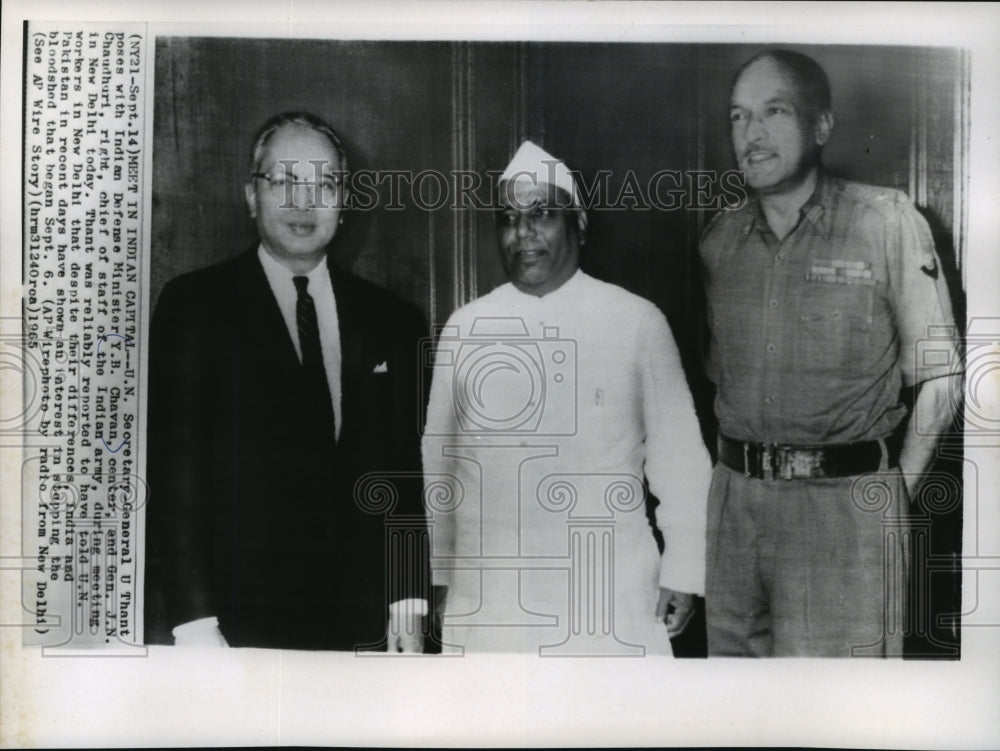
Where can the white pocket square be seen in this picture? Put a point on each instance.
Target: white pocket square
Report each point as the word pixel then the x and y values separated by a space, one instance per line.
pixel 382 367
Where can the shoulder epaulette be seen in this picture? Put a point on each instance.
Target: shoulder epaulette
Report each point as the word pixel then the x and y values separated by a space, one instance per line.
pixel 721 217
pixel 884 200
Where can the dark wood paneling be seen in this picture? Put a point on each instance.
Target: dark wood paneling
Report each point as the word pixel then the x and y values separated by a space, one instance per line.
pixel 500 112
pixel 629 109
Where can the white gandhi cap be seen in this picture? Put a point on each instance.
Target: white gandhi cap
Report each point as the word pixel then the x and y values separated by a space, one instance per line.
pixel 535 166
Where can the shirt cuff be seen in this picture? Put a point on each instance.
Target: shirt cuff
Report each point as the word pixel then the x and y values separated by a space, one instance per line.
pixel 411 606
pixel 193 628
pixel 682 568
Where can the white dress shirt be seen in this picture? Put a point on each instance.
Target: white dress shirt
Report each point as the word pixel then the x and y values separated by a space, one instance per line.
pixel 320 288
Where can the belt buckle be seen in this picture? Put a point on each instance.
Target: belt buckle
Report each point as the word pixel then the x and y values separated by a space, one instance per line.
pixel 798 463
pixel 787 462
pixel 746 460
pixel 767 461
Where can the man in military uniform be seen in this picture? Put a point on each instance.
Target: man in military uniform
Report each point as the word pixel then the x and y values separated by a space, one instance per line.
pixel 818 292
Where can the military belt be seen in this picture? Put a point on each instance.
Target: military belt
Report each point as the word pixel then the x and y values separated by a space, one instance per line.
pixel 779 461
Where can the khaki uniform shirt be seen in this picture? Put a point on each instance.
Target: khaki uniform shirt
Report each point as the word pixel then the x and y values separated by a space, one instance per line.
pixel 813 336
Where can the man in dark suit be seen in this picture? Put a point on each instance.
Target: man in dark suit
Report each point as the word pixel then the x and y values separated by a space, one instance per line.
pixel 285 506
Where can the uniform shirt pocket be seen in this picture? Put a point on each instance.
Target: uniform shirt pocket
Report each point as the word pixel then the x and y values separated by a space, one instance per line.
pixel 833 328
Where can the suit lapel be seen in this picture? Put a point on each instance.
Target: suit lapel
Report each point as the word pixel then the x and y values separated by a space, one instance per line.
pixel 354 329
pixel 262 322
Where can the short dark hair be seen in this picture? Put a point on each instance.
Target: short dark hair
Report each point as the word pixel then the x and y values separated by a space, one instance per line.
pixel 810 78
pixel 306 120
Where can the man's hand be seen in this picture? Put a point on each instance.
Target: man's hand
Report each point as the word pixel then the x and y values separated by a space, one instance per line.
pixel 405 633
pixel 676 608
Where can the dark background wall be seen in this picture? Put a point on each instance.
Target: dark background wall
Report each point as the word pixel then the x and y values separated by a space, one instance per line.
pixel 413 106
pixel 631 109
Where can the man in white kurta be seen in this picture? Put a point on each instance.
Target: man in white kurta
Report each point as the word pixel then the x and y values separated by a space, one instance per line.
pixel 553 398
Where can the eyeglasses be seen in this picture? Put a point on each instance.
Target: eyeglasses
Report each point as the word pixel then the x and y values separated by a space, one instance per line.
pixel 283 189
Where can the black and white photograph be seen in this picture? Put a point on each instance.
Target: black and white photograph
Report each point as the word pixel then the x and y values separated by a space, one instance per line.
pixel 500 373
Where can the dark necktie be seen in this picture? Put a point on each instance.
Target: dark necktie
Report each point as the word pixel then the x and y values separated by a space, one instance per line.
pixel 312 354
